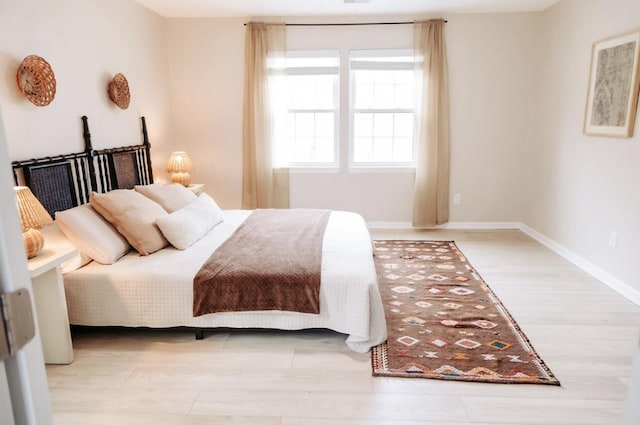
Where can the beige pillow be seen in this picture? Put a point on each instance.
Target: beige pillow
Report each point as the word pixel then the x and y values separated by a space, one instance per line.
pixel 134 215
pixel 54 238
pixel 187 225
pixel 91 234
pixel 171 197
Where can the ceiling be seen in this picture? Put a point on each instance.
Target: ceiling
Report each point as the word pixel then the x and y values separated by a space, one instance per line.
pixel 240 8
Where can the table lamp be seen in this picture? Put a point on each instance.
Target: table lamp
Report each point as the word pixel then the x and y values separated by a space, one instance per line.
pixel 179 166
pixel 33 217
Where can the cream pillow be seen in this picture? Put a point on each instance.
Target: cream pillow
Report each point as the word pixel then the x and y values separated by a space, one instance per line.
pixel 171 197
pixel 54 238
pixel 134 215
pixel 91 234
pixel 74 263
pixel 189 224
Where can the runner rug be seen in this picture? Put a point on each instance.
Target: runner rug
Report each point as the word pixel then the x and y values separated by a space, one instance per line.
pixel 444 322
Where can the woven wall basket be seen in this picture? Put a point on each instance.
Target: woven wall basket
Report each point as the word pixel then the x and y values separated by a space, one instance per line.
pixel 36 80
pixel 119 91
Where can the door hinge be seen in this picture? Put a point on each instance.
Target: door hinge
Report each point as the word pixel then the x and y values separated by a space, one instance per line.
pixel 17 326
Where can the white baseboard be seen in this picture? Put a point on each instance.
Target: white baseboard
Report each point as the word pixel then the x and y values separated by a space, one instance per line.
pixel 479 225
pixel 450 225
pixel 624 289
pixel 389 225
pixel 611 281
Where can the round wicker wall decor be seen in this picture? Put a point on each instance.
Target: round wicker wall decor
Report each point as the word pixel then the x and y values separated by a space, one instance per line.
pixel 119 91
pixel 36 80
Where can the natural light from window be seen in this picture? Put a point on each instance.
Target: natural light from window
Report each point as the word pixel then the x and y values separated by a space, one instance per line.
pixel 382 87
pixel 312 108
pixel 378 125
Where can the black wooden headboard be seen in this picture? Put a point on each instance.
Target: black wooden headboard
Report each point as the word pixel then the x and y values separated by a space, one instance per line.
pixel 65 181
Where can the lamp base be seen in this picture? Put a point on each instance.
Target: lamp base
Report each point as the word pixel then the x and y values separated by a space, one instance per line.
pixel 33 242
pixel 182 178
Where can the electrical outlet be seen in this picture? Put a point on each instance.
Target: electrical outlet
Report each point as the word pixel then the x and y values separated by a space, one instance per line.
pixel 613 239
pixel 457 198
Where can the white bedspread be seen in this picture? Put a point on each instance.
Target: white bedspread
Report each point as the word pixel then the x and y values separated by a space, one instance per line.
pixel 156 291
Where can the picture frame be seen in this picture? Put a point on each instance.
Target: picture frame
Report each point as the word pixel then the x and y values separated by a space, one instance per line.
pixel 614 83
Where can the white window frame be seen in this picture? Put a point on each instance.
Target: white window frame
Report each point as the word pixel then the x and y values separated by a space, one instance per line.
pixel 404 65
pixel 321 70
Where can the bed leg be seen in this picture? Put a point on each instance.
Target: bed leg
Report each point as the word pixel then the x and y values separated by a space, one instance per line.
pixel 199 334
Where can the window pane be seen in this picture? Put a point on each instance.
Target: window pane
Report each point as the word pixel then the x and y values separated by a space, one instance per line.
pixel 291 125
pixel 363 125
pixel 402 149
pixel 324 92
pixel 302 148
pixel 305 124
pixel 311 136
pixel 364 96
pixel 383 125
pixel 404 96
pixel 403 125
pixel 365 76
pixel 301 92
pixel 404 77
pixel 363 150
pixel 384 96
pixel 363 88
pixel 311 91
pixel 385 77
pixel 323 150
pixel 324 125
pixel 383 150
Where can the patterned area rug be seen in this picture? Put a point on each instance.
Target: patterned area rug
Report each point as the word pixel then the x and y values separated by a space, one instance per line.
pixel 444 322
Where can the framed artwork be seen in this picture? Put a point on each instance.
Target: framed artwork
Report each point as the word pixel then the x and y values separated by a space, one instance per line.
pixel 614 82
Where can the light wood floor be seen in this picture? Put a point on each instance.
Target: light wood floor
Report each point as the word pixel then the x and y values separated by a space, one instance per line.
pixel 584 331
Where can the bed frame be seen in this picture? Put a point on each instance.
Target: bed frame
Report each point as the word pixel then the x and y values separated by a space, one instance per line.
pixel 65 181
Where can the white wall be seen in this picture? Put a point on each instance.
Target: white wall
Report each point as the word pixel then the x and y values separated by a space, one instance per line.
pixel 492 81
pixel 518 88
pixel 489 119
pixel 583 187
pixel 206 66
pixel 86 42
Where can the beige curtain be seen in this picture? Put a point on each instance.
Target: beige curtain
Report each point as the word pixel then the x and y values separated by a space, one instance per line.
pixel 263 185
pixel 431 194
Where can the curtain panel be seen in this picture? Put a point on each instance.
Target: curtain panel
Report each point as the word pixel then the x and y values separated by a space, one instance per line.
pixel 431 193
pixel 263 185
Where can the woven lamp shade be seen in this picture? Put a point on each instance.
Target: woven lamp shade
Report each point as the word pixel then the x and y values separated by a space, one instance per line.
pixel 179 166
pixel 33 216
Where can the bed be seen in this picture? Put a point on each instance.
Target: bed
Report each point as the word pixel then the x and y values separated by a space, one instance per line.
pixel 156 291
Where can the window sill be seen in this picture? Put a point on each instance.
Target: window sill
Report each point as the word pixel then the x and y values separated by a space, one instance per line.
pixel 318 170
pixel 406 169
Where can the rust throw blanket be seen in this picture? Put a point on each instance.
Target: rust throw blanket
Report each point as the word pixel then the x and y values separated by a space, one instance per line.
pixel 271 262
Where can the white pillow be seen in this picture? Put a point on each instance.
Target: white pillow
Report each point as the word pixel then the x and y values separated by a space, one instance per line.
pixel 54 238
pixel 189 224
pixel 74 263
pixel 91 234
pixel 134 216
pixel 171 197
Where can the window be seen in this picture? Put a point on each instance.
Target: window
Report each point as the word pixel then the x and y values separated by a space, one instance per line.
pixel 312 93
pixel 383 111
pixel 379 127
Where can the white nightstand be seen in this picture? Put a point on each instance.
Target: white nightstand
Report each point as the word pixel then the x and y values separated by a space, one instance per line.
pixel 51 303
pixel 196 188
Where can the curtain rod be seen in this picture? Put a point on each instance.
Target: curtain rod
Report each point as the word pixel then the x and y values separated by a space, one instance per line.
pixel 339 24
